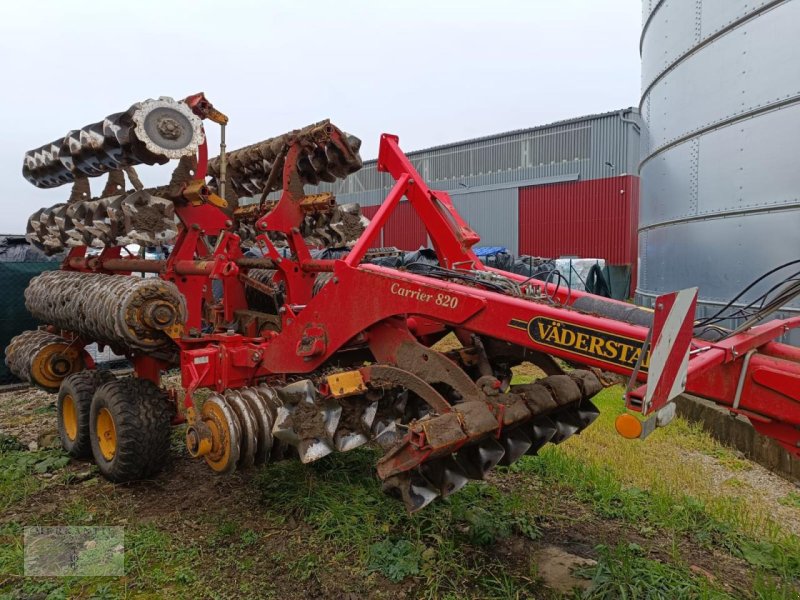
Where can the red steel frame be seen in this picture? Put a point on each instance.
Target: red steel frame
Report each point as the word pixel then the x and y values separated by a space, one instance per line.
pixel 748 372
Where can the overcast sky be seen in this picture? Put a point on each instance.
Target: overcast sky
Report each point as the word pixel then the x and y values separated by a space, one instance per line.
pixel 429 71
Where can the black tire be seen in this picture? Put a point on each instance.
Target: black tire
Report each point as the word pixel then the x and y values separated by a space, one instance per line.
pixel 79 388
pixel 141 416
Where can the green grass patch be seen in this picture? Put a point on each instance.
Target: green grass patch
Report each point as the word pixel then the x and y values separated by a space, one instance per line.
pixel 441 546
pixel 19 469
pixel 791 499
pixel 625 571
pixel 684 515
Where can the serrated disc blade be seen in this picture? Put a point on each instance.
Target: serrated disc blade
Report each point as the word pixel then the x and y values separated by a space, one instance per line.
pixel 540 431
pixel 478 459
pixel 445 475
pixel 567 424
pixel 313 449
pixel 410 487
pixel 516 443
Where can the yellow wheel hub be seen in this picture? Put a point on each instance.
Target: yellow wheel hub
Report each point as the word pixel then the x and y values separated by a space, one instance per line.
pixel 106 434
pixel 224 430
pixel 69 416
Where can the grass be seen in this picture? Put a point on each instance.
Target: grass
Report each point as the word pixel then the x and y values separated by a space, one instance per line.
pixel 625 571
pixel 19 470
pixel 791 499
pixel 341 500
pixel 326 529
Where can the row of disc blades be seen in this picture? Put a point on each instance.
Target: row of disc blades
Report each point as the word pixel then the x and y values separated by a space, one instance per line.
pixel 557 407
pixel 259 417
pixel 249 169
pixel 131 218
pixel 339 227
pixel 149 132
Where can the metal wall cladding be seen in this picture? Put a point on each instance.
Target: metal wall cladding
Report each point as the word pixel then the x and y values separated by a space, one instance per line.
pixel 590 147
pixel 492 215
pixel 587 219
pixel 721 107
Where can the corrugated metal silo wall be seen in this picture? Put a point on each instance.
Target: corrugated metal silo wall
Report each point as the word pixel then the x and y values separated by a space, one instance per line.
pixel 485 177
pixel 720 180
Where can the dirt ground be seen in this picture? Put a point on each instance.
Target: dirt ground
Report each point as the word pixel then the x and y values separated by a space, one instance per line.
pixel 196 531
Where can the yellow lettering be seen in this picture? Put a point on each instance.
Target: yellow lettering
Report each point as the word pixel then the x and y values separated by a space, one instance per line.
pixel 624 354
pixel 552 335
pixel 635 355
pixel 596 346
pixel 543 331
pixel 580 342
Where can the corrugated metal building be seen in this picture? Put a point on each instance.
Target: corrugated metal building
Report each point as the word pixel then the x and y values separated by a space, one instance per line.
pixel 565 189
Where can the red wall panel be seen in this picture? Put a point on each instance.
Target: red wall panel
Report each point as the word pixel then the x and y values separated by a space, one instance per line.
pixel 404 229
pixel 369 212
pixel 588 219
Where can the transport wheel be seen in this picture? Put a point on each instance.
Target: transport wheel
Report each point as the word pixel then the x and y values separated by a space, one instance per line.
pixel 72 409
pixel 129 429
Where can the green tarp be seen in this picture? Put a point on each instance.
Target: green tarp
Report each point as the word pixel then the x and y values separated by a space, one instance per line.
pixel 14 318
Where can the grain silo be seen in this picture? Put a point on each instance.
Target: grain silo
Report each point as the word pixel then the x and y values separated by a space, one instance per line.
pixel 720 169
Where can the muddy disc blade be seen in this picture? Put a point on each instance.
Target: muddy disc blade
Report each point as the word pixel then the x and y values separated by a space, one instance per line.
pixel 368 416
pixel 445 475
pixel 249 430
pixel 344 441
pixel 567 424
pixel 283 428
pixel 478 459
pixel 412 488
pixel 313 449
pixel 540 431
pixel 515 442
pixel 385 433
pixel 587 413
pixel 331 415
pixel 348 440
pixel 354 425
pixel 264 423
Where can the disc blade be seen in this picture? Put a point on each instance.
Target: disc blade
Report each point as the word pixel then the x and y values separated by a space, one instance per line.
pixel 313 449
pixel 445 474
pixel 412 488
pixel 368 416
pixel 515 442
pixel 249 430
pixel 540 431
pixel 567 424
pixel 385 433
pixel 283 428
pixel 348 440
pixel 587 413
pixel 331 415
pixel 264 422
pixel 478 459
